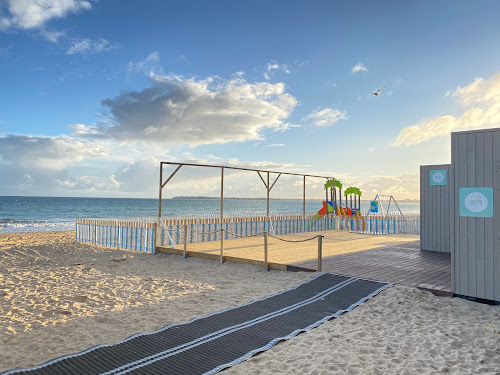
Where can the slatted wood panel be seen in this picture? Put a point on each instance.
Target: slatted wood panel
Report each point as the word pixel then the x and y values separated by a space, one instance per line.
pixel 475 242
pixel 402 264
pixel 435 213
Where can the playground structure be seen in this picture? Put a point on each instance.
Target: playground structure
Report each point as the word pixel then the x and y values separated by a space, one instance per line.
pixel 147 234
pixel 349 212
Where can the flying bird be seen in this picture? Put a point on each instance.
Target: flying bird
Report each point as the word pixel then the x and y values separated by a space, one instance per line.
pixel 377 92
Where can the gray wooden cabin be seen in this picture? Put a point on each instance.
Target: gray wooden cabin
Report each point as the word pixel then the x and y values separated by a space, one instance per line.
pixel 435 209
pixel 471 213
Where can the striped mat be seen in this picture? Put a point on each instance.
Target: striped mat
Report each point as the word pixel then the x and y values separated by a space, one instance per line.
pixel 214 342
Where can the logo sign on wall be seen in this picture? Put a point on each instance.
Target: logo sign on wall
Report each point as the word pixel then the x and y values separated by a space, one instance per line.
pixel 476 202
pixel 373 206
pixel 438 177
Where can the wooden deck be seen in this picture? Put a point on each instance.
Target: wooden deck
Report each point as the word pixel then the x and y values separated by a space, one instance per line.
pixel 390 258
pixel 400 264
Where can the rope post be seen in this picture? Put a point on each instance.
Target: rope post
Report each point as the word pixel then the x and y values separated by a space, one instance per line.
pixel 266 264
pixel 221 245
pixel 320 251
pixel 185 241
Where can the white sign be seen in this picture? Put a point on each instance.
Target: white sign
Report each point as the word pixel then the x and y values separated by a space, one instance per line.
pixel 476 202
pixel 438 177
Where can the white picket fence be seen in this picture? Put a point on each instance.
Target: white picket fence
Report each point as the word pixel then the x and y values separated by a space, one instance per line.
pixel 135 235
pixel 144 234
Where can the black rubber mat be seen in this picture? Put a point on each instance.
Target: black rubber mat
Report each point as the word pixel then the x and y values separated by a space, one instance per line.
pixel 214 342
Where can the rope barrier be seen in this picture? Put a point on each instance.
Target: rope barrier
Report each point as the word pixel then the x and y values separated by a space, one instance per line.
pixel 194 230
pixel 307 239
pixel 239 235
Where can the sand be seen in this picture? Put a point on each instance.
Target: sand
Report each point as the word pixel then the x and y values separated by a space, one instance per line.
pixel 58 297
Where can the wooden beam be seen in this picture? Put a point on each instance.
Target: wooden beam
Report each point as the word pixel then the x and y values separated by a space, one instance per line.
pixel 274 182
pixel 172 175
pixel 258 172
pixel 241 169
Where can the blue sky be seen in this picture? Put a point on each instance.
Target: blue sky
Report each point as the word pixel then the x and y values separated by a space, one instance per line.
pixel 96 93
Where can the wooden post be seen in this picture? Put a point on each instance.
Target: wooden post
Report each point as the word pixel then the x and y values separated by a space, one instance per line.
pixel 161 181
pixel 185 241
pixel 268 190
pixel 304 202
pixel 222 245
pixel 266 264
pixel 320 252
pixel 221 193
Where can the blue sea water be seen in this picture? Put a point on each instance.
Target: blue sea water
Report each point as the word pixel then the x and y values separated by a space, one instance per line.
pixel 38 214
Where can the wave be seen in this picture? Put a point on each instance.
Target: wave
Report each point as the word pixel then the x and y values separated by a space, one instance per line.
pixel 8 225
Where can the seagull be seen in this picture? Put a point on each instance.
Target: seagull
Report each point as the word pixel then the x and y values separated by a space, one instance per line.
pixel 377 92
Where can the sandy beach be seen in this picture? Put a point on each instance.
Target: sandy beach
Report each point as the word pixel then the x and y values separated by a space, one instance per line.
pixel 58 297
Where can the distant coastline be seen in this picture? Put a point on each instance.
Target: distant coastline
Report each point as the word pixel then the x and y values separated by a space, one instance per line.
pixel 183 197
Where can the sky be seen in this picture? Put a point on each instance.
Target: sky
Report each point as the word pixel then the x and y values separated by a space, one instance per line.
pixel 94 94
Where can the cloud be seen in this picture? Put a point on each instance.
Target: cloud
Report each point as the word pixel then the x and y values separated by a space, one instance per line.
pixel 276 145
pixel 151 64
pixel 88 46
pixel 275 67
pixel 175 110
pixel 482 100
pixel 402 187
pixel 359 67
pixel 32 14
pixel 47 153
pixel 138 176
pixel 51 35
pixel 327 116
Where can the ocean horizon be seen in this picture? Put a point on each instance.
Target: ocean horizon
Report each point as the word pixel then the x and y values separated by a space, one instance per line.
pixel 41 214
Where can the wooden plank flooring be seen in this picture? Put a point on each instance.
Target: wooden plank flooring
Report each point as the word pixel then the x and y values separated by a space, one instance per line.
pixel 399 264
pixel 390 258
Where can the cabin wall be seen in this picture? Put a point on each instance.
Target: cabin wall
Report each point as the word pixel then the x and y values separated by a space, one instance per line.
pixel 475 236
pixel 435 209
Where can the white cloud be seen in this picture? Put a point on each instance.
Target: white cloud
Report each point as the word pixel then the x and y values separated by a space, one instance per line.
pixel 88 46
pixel 276 145
pixel 359 67
pixel 52 35
pixel 138 176
pixel 482 97
pixel 175 110
pixel 327 116
pixel 275 67
pixel 31 14
pixel 402 187
pixel 151 64
pixel 272 66
pixel 48 153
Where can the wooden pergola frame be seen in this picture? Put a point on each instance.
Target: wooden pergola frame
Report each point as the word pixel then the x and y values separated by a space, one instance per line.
pixel 222 167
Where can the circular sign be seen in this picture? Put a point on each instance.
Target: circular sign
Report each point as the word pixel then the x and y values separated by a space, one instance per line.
pixel 476 202
pixel 438 177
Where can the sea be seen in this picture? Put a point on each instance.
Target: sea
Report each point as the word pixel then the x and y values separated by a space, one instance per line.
pixel 40 214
